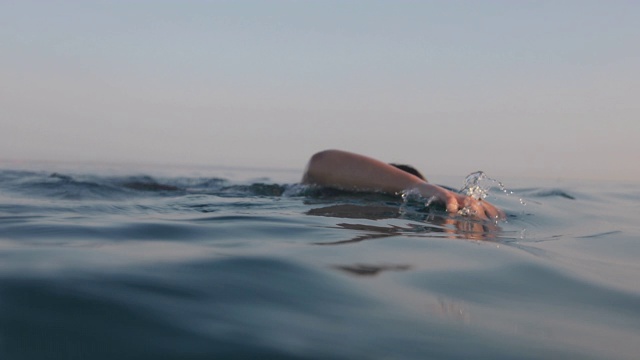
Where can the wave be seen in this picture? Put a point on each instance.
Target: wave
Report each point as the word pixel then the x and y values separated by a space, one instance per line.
pixel 93 187
pixel 545 193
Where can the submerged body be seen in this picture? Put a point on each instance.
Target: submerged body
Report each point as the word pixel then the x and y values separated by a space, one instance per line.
pixel 349 171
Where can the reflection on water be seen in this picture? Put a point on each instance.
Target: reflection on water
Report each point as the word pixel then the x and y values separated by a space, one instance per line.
pixel 349 211
pixel 434 223
pixel 371 270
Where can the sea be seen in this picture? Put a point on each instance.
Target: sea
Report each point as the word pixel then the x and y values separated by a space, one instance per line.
pixel 186 262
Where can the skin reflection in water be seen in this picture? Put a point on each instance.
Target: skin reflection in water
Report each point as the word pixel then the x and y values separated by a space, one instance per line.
pixel 434 224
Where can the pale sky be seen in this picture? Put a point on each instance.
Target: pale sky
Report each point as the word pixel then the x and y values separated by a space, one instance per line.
pixel 515 88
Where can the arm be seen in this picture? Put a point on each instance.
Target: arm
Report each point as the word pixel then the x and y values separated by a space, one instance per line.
pixel 349 171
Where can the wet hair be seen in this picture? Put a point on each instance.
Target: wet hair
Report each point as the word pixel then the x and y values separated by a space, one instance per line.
pixel 410 169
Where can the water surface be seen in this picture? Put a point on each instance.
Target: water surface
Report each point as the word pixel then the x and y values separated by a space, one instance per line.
pixel 193 264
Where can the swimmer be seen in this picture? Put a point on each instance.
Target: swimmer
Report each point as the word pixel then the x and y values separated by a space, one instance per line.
pixel 353 172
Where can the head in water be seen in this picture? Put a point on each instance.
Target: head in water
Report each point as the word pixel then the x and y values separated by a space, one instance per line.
pixel 410 169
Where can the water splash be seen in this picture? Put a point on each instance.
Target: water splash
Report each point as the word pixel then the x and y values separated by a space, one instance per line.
pixel 415 195
pixel 478 184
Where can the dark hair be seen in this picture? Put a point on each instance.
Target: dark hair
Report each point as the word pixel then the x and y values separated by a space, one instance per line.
pixel 410 169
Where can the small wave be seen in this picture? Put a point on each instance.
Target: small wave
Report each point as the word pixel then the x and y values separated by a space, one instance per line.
pixel 257 189
pixel 92 187
pixel 148 184
pixel 543 193
pixel 61 186
pixel 600 235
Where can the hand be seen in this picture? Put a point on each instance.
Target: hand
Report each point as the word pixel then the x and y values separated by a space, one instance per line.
pixel 475 207
pixel 456 203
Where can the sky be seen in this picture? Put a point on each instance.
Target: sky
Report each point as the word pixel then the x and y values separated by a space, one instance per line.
pixel 545 89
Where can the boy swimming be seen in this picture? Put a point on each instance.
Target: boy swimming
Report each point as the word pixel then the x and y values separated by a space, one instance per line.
pixel 348 171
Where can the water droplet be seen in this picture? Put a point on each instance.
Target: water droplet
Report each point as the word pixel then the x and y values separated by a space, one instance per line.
pixel 478 184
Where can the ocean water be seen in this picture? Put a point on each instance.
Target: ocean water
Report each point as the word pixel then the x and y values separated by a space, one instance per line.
pixel 193 263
